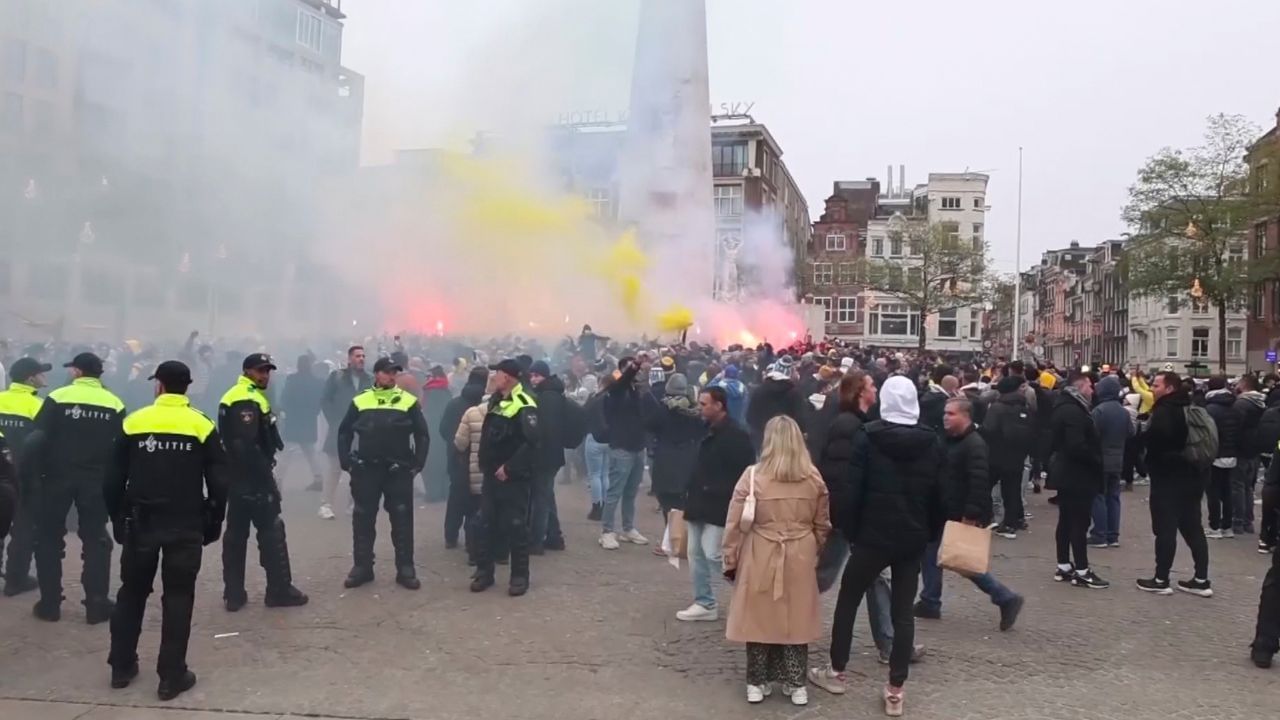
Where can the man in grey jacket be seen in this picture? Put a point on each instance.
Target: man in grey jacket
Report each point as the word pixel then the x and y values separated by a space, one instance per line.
pixel 1115 426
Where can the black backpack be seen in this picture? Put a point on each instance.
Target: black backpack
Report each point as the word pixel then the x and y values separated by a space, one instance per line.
pixel 575 425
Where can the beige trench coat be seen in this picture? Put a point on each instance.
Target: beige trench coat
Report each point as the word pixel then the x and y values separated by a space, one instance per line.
pixel 775 595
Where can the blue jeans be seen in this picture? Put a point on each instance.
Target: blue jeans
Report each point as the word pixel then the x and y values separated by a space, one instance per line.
pixel 931 582
pixel 626 469
pixel 597 469
pixel 1106 512
pixel 704 560
pixel 878 613
pixel 544 520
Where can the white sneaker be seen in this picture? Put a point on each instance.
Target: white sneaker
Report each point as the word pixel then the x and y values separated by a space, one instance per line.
pixel 698 613
pixel 609 541
pixel 326 512
pixel 1213 534
pixel 757 693
pixel 799 696
pixel 634 537
pixel 1227 534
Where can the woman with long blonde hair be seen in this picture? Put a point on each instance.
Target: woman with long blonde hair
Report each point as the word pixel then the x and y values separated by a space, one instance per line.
pixel 778 521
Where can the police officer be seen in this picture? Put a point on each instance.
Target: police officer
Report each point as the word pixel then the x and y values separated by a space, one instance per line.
pixel 8 488
pixel 391 450
pixel 73 439
pixel 166 492
pixel 508 458
pixel 251 438
pixel 19 405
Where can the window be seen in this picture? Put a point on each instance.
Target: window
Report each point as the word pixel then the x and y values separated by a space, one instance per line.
pixel 310 30
pixel 728 199
pixel 952 231
pixel 950 203
pixel 44 68
pixel 895 245
pixel 836 242
pixel 1171 342
pixel 728 159
pixel 822 273
pixel 847 310
pixel 977 203
pixel 973 326
pixel 13 62
pixel 1171 305
pixel 1200 342
pixel 825 302
pixel 1200 307
pixel 1255 301
pixel 977 236
pixel 877 246
pixel 1275 300
pixel 894 319
pixel 1259 240
pixel 1235 257
pixel 599 201
pixel 1235 343
pixel 845 273
pixel 947 324
pixel 11 113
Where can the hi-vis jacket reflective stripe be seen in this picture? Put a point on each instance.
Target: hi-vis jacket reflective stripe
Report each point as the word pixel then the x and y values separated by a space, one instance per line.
pixel 19 405
pixel 510 435
pixel 387 426
pixel 76 431
pixel 167 457
pixel 250 435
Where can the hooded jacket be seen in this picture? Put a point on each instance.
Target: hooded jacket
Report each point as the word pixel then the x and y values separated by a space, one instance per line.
pixel 1221 406
pixel 551 413
pixel 1076 463
pixel 1249 407
pixel 471 395
pixel 771 399
pixel 1268 431
pixel 1166 438
pixel 834 456
pixel 677 428
pixel 1004 416
pixel 1114 423
pixel 933 401
pixel 895 478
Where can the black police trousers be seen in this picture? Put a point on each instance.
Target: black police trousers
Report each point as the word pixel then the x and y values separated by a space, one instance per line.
pixel 176 552
pixel 504 510
pixel 394 487
pixel 458 508
pixel 262 511
pixel 17 564
pixel 55 500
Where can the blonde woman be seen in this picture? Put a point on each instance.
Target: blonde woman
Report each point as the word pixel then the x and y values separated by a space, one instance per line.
pixel 774 562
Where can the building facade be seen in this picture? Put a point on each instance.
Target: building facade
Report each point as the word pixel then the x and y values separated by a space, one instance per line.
pixel 830 273
pixel 158 147
pixel 1183 334
pixel 1264 306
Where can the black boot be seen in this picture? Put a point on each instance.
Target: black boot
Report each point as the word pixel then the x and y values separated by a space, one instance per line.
pixel 48 611
pixel 98 610
pixel 235 601
pixel 19 585
pixel 274 553
pixel 289 597
pixel 482 581
pixel 597 512
pixel 359 575
pixel 518 586
pixel 407 578
pixel 122 676
pixel 171 688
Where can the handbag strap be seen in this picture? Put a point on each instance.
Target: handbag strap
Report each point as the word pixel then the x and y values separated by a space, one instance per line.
pixel 751 480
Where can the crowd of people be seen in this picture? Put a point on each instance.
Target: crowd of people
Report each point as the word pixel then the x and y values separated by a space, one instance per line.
pixel 790 467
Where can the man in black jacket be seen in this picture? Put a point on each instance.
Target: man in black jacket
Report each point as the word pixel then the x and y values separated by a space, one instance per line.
pixel 1010 432
pixel 1075 471
pixel 1249 406
pixel 625 407
pixel 339 389
pixel 777 395
pixel 723 455
pixel 544 520
pixel 1177 485
pixel 1220 402
pixel 459 510
pixel 1266 639
pixel 967 494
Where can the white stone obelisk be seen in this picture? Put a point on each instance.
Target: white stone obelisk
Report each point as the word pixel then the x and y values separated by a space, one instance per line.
pixel 666 173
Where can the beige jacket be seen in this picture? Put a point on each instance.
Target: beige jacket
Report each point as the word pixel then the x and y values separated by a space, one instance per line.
pixel 775 594
pixel 467 440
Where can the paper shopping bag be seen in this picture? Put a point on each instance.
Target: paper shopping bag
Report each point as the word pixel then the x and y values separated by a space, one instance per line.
pixel 965 549
pixel 679 533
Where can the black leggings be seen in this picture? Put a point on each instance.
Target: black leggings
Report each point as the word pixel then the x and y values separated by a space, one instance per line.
pixel 1075 512
pixel 863 568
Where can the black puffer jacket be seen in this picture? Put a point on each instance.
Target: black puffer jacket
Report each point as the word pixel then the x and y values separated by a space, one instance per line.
pixel 1221 407
pixel 551 414
pixel 1268 433
pixel 1076 463
pixel 1249 406
pixel 771 399
pixel 677 428
pixel 895 486
pixel 967 478
pixel 1010 430
pixel 834 458
pixel 933 402
pixel 1166 439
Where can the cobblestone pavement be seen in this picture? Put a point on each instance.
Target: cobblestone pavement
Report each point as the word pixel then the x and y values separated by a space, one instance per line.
pixel 596 638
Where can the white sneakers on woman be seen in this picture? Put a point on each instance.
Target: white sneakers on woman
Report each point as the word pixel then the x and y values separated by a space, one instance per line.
pixel 757 693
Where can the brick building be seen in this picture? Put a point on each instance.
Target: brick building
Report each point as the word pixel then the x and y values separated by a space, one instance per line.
pixel 1264 307
pixel 834 252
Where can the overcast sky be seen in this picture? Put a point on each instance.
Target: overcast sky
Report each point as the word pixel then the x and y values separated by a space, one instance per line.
pixel 1088 88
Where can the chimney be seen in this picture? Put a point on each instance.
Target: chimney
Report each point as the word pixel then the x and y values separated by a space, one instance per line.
pixel 888 191
pixel 902 179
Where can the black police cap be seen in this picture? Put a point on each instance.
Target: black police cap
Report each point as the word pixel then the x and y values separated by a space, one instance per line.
pixel 25 368
pixel 508 366
pixel 172 374
pixel 258 361
pixel 87 363
pixel 386 364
